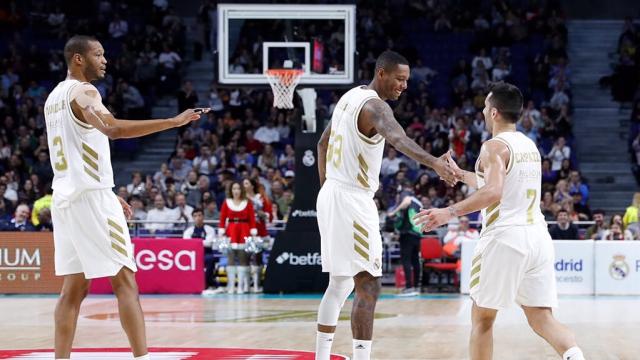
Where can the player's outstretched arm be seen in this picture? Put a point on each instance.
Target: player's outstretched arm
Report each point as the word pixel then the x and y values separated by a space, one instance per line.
pixel 493 156
pixel 378 113
pixel 323 144
pixel 86 104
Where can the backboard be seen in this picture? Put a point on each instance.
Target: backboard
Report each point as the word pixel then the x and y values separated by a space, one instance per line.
pixel 318 39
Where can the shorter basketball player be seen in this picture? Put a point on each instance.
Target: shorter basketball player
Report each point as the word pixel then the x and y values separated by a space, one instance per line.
pixel 513 261
pixel 349 159
pixel 90 231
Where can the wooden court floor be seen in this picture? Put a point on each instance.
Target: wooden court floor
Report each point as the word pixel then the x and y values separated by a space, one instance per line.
pixel 425 327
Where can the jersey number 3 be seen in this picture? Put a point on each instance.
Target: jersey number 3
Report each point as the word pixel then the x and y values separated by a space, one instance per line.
pixel 61 163
pixel 334 151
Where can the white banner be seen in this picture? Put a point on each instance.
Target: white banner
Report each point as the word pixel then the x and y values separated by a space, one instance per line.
pixel 574 266
pixel 617 268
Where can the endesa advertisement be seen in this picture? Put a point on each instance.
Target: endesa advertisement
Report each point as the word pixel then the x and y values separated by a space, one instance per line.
pixel 165 266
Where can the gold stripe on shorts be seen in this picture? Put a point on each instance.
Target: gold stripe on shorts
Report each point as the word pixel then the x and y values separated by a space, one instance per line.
pixel 475 270
pixel 115 226
pixel 474 282
pixel 117 237
pixel 119 249
pixel 476 259
pixel 361 241
pixel 361 252
pixel 361 229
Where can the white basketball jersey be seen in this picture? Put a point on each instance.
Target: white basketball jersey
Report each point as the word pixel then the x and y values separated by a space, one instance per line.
pixel 80 155
pixel 353 158
pixel 520 201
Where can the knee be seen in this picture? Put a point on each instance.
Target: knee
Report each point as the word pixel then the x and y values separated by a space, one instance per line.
pixel 483 323
pixel 74 296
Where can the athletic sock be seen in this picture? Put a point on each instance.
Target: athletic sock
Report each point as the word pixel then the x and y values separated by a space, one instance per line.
pixel 143 357
pixel 361 349
pixel 573 353
pixel 323 345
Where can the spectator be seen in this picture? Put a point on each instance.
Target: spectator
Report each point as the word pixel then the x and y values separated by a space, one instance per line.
pixel 562 192
pixel 187 97
pixel 564 229
pixel 205 163
pixel 287 160
pixel 559 98
pixel 559 153
pixel 199 230
pixel 615 233
pixel 42 167
pixel 211 210
pixel 596 231
pixel 20 221
pixel 238 220
pixel 267 159
pixel 390 163
pixel 136 187
pixel 482 58
pixel 456 235
pixel 631 214
pixel 44 220
pixel 41 204
pixel 161 214
pixel 132 100
pixel 576 185
pixel 118 27
pixel 137 205
pixel 582 211
pixel 267 134
pixel 410 235
pixel 182 210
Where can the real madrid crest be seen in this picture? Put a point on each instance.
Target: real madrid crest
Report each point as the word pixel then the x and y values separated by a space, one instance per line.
pixel 619 269
pixel 308 159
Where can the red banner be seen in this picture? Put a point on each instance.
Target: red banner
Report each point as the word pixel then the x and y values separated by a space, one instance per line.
pixel 318 56
pixel 165 266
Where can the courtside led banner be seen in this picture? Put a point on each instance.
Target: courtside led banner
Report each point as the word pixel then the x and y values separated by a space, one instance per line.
pixel 27 263
pixel 617 267
pixel 165 266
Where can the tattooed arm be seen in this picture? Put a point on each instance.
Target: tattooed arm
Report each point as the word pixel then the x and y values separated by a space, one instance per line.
pixel 378 114
pixel 86 104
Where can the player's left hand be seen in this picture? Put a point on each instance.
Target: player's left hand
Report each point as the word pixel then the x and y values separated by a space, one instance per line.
pixel 432 218
pixel 126 208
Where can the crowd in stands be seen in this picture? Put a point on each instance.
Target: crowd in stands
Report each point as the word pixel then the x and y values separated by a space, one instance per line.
pixel 244 137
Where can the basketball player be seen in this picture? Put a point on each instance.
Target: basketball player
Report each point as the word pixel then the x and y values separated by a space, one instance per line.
pixel 90 229
pixel 513 261
pixel 349 158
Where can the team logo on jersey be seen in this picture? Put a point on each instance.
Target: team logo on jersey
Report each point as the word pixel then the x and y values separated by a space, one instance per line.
pixel 619 269
pixel 308 159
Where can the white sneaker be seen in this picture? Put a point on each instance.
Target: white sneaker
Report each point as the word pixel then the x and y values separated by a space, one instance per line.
pixel 257 290
pixel 213 291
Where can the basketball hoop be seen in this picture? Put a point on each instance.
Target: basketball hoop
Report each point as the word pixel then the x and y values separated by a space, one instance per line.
pixel 283 82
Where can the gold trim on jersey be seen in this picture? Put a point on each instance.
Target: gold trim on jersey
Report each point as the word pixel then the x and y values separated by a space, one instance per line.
pixel 119 249
pixel 363 164
pixel 368 140
pixel 94 176
pixel 492 207
pixel 362 181
pixel 89 150
pixel 511 153
pixel 90 162
pixel 493 218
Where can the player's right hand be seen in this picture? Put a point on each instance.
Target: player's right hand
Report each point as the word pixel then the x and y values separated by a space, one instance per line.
pixel 189 115
pixel 445 171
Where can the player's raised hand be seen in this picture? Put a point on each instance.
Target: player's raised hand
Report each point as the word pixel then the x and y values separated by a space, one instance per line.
pixel 126 208
pixel 430 219
pixel 189 115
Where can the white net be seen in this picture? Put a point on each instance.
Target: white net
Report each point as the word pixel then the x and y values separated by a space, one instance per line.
pixel 283 82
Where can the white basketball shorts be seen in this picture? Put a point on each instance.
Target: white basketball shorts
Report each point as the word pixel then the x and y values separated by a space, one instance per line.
pixel 514 264
pixel 349 230
pixel 90 235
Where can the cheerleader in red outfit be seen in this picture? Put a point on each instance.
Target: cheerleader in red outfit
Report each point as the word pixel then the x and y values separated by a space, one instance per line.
pixel 238 218
pixel 264 215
